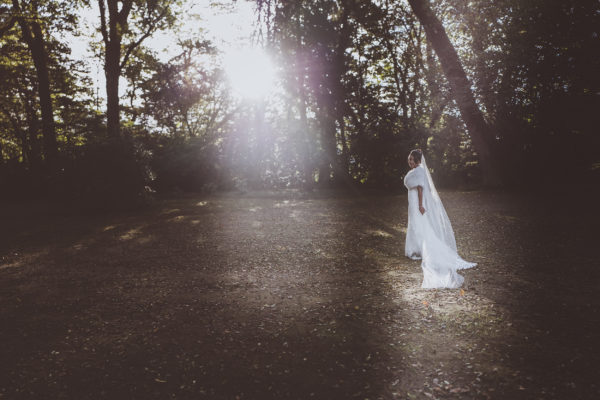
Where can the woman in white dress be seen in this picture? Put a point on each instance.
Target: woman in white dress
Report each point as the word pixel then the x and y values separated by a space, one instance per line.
pixel 429 235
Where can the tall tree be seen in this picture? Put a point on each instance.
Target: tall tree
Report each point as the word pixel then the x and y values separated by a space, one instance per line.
pixel 150 17
pixel 479 131
pixel 28 18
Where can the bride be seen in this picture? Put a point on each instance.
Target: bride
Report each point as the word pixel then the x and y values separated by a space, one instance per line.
pixel 429 235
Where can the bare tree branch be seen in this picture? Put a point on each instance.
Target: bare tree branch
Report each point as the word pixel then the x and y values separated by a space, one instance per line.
pixel 149 31
pixel 133 46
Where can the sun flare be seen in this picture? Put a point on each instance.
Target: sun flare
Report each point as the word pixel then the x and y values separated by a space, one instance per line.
pixel 250 72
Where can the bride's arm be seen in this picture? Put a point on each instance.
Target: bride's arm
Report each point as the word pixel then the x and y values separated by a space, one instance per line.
pixel 420 190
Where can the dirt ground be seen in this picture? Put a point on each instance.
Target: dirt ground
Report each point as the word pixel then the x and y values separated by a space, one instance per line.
pixel 298 296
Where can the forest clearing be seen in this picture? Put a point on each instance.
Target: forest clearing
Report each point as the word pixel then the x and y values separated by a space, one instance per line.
pixel 287 295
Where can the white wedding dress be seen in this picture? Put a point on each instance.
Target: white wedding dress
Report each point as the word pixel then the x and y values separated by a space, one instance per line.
pixel 429 236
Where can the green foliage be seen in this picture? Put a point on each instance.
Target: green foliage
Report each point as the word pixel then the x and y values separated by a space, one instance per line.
pixel 186 165
pixel 534 66
pixel 450 158
pixel 361 87
pixel 99 185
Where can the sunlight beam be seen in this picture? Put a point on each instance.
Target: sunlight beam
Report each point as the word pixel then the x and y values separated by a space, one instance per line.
pixel 250 72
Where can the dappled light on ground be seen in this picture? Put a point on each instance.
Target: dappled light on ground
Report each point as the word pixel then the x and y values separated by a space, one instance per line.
pixel 131 233
pixel 274 298
pixel 379 233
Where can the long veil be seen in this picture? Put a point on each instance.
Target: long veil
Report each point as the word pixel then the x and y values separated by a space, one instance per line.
pixel 440 260
pixel 436 213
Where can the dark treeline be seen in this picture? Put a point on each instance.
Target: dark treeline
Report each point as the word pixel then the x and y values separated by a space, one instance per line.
pixel 503 93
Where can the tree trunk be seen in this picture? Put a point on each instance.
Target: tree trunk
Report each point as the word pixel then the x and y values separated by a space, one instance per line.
pixel 437 102
pixel 345 162
pixel 112 72
pixel 261 151
pixel 307 138
pixel 416 78
pixel 328 156
pixel 31 145
pixel 338 95
pixel 112 33
pixel 33 37
pixel 461 88
pixel 401 87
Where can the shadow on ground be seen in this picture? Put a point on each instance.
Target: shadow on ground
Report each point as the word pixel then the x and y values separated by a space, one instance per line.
pixel 286 296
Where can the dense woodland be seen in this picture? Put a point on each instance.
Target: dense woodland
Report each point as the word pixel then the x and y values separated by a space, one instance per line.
pixel 503 93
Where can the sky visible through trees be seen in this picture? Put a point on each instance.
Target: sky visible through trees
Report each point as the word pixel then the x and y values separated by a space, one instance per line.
pixel 130 97
pixel 229 26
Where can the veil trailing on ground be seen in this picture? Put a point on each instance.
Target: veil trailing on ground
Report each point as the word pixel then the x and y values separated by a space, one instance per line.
pixel 430 236
pixel 436 213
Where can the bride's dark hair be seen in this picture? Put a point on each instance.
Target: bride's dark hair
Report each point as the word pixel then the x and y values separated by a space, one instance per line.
pixel 416 154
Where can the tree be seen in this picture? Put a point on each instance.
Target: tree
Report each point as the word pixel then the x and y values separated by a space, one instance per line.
pixel 150 17
pixel 28 18
pixel 461 88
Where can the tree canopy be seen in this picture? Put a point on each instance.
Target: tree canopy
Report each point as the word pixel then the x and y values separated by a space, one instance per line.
pixel 495 93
